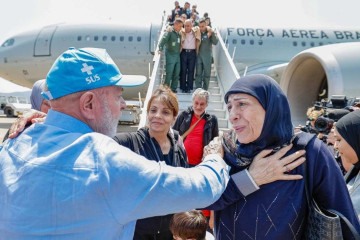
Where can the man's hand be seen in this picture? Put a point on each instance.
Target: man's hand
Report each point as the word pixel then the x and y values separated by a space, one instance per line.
pixel 209 31
pixel 169 29
pixel 32 116
pixel 269 169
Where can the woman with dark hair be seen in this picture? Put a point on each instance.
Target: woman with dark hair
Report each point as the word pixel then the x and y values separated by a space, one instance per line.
pixel 159 142
pixel 261 120
pixel 347 142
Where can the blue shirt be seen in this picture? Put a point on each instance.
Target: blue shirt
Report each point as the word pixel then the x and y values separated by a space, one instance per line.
pixel 61 180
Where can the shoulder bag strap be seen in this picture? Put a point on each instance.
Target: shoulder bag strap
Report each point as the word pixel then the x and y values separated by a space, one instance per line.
pixel 191 128
pixel 348 224
pixel 302 142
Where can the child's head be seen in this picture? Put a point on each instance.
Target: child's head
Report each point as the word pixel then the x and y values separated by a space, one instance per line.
pixel 188 225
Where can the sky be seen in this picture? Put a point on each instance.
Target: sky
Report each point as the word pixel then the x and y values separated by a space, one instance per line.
pixel 21 15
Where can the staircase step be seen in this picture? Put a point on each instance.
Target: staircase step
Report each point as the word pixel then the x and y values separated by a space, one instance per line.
pixel 212 104
pixel 213 84
pixel 223 123
pixel 188 97
pixel 214 90
pixel 219 113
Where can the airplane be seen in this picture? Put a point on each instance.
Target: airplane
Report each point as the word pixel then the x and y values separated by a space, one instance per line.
pixel 268 50
pixel 310 65
pixel 27 57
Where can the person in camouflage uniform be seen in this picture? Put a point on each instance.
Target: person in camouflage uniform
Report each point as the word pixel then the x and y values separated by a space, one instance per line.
pixel 171 40
pixel 204 58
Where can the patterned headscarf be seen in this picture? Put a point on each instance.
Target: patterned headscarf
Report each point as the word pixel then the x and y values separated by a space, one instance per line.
pixel 277 129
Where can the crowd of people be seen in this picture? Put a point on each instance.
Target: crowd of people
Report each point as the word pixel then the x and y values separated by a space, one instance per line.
pixel 71 175
pixel 187 43
pixel 338 126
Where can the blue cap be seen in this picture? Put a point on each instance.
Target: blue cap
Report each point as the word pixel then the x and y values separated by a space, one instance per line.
pixel 84 69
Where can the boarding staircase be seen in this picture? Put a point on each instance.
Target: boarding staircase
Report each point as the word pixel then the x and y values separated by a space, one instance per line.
pixel 216 103
pixel 223 74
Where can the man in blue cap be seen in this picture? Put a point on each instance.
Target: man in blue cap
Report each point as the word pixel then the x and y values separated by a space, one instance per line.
pixel 67 179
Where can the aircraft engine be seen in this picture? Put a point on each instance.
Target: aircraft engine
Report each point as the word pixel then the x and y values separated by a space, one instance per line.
pixel 318 73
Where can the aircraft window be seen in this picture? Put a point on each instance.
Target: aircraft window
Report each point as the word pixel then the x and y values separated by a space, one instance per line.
pixel 8 42
pixel 234 41
pixel 295 44
pixel 243 41
pixel 96 38
pixel 121 38
pixel 130 38
pixel 138 39
pixel 227 41
pixel 104 38
pixel 303 44
pixel 79 38
pixel 251 42
pixel 312 44
pixel 320 43
pixel 113 38
pixel 87 38
pixel 261 42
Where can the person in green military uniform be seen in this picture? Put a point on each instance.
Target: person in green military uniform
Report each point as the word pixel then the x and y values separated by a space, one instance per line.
pixel 171 40
pixel 204 58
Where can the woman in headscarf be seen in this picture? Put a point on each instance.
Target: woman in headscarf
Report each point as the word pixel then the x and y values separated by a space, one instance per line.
pixel 261 119
pixel 347 142
pixel 36 99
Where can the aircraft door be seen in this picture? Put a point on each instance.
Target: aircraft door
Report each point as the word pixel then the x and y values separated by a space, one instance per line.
pixel 43 41
pixel 154 37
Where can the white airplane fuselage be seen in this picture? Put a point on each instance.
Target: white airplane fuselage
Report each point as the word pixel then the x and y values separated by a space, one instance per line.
pixel 259 50
pixel 27 57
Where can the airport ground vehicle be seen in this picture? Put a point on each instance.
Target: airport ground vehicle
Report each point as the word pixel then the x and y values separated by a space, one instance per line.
pixel 13 106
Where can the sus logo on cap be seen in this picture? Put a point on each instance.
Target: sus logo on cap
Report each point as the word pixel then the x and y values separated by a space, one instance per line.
pixel 83 69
